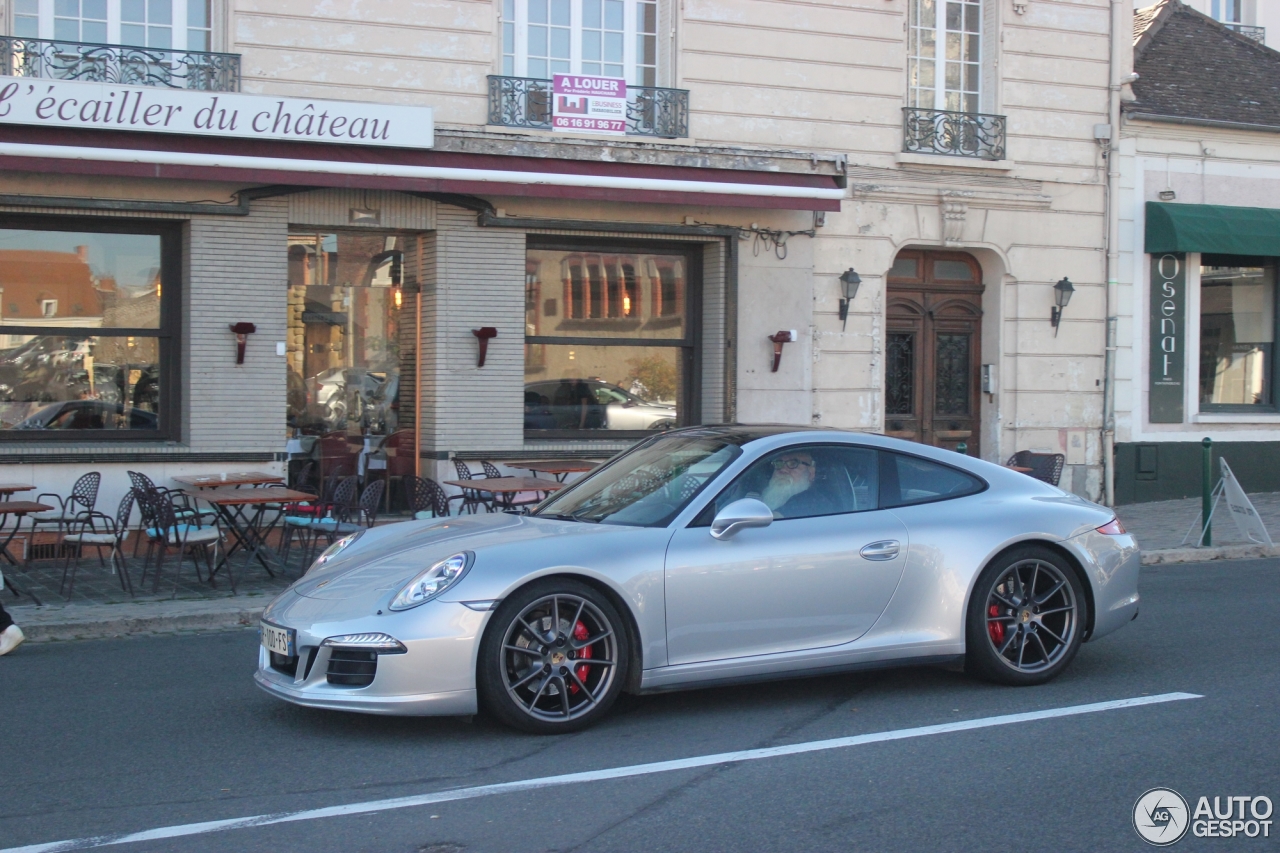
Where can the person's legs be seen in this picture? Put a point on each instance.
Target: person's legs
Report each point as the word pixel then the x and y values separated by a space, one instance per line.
pixel 5 619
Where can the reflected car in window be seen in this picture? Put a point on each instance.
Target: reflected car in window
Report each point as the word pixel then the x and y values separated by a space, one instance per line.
pixel 90 414
pixel 701 556
pixel 592 404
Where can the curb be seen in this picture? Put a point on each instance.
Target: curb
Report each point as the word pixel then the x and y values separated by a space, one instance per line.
pixel 1202 555
pixel 95 622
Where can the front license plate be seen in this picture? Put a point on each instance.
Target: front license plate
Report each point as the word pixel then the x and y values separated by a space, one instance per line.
pixel 278 640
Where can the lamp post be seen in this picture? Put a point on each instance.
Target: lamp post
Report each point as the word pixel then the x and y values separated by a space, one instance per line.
pixel 849 281
pixel 1061 296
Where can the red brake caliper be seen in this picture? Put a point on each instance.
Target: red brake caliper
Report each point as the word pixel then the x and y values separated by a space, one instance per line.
pixel 580 633
pixel 996 629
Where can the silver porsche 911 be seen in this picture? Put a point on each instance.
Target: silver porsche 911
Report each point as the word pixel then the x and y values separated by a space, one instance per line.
pixel 701 556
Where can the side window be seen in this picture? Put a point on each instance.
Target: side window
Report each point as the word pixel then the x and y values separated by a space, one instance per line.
pixel 910 480
pixel 806 481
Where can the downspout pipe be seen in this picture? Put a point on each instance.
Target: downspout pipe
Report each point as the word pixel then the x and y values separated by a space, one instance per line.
pixel 1121 43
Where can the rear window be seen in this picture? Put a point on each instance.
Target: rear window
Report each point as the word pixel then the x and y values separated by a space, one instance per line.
pixel 906 480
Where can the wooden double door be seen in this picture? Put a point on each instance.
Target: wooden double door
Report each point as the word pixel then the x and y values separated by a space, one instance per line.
pixel 933 349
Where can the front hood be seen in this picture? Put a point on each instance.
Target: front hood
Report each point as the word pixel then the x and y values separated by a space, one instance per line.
pixel 394 553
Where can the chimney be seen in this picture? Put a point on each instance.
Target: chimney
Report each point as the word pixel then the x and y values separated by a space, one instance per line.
pixel 82 252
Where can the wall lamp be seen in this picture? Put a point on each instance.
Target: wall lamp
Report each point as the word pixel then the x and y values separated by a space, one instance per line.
pixel 849 281
pixel 783 337
pixel 483 334
pixel 1061 296
pixel 242 332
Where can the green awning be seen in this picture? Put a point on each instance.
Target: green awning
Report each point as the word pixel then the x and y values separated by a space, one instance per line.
pixel 1212 228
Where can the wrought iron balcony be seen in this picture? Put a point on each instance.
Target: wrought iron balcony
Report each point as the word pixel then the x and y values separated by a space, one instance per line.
pixel 118 63
pixel 957 134
pixel 1258 34
pixel 526 102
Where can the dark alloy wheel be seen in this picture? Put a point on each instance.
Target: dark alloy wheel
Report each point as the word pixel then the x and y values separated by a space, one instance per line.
pixel 553 658
pixel 1026 617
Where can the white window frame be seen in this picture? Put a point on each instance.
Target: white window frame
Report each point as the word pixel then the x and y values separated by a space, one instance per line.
pixel 629 36
pixel 179 25
pixel 986 51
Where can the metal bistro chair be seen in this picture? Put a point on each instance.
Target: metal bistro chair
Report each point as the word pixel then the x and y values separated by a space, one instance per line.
pixel 426 497
pixel 180 502
pixel 82 501
pixel 99 530
pixel 172 532
pixel 303 524
pixel 1046 467
pixel 299 517
pixel 471 498
pixel 354 518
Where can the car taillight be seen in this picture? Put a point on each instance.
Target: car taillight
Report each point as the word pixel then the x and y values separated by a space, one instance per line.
pixel 1112 528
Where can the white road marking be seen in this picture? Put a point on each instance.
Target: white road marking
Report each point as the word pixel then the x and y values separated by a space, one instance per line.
pixel 186 829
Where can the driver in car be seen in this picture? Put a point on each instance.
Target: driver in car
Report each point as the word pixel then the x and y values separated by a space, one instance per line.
pixel 790 492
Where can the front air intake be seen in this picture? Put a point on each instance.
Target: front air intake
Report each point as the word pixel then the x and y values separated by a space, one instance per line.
pixel 351 668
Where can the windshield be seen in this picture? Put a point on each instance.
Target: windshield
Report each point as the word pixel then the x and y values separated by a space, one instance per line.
pixel 648 486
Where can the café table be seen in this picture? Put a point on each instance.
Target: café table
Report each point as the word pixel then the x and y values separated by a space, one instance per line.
pixel 19 509
pixel 218 481
pixel 558 468
pixel 508 487
pixel 243 511
pixel 7 489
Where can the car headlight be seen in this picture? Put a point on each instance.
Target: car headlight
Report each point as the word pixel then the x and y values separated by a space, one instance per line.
pixel 334 550
pixel 432 581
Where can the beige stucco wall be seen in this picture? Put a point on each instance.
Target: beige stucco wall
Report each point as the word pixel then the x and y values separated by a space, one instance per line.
pixel 830 78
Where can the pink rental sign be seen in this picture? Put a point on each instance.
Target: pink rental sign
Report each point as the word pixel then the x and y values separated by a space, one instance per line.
pixel 589 104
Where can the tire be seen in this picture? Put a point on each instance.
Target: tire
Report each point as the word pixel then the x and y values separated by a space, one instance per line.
pixel 568 678
pixel 1007 641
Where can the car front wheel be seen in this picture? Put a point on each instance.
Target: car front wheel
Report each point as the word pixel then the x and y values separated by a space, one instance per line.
pixel 1026 618
pixel 553 658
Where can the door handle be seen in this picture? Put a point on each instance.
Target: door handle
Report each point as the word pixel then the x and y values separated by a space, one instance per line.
pixel 883 550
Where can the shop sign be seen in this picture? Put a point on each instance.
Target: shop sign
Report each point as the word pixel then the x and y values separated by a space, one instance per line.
pixel 1167 364
pixel 108 106
pixel 590 104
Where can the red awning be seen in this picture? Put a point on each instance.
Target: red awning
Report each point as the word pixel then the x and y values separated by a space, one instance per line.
pixel 123 154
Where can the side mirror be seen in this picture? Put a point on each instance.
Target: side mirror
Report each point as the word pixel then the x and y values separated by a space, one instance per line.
pixel 740 515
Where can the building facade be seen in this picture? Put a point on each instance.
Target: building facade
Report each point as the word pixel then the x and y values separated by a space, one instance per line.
pixel 1201 228
pixel 849 215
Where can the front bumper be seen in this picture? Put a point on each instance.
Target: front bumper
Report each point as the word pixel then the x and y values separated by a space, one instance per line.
pixel 434 676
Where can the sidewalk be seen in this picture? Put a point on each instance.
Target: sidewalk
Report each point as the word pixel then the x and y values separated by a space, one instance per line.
pixel 99 608
pixel 1161 525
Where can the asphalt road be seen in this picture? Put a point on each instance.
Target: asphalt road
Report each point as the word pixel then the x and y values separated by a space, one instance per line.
pixel 117 736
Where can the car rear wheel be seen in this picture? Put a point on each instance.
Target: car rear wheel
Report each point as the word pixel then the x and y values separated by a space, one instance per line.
pixel 1026 618
pixel 553 659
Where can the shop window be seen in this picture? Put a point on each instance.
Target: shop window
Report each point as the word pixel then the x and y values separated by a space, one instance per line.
pixel 609 38
pixel 161 24
pixel 350 335
pixel 1237 333
pixel 608 342
pixel 87 330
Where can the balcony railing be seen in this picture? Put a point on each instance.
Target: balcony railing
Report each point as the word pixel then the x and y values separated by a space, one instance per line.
pixel 526 102
pixel 956 134
pixel 117 63
pixel 1258 34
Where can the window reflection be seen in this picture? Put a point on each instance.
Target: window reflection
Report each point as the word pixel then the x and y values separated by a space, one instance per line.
pixel 346 309
pixel 77 382
pixel 606 294
pixel 572 387
pixel 1237 334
